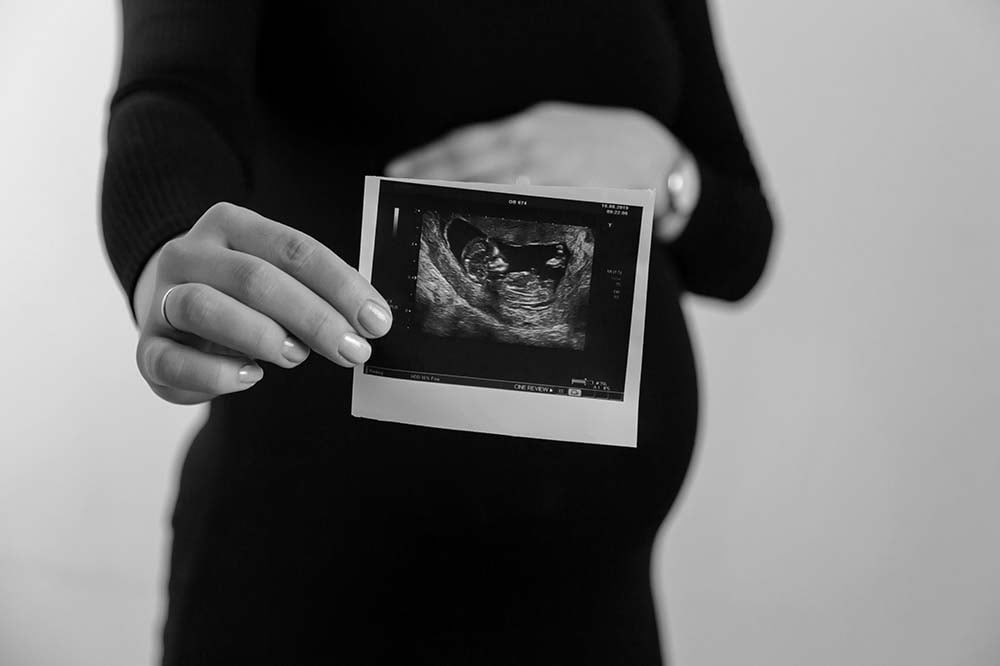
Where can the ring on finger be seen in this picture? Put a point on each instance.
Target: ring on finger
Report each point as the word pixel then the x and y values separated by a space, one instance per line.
pixel 163 308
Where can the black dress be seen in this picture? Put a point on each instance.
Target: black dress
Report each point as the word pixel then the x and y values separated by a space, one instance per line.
pixel 303 535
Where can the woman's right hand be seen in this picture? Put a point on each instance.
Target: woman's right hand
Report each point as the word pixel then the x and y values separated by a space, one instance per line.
pixel 243 287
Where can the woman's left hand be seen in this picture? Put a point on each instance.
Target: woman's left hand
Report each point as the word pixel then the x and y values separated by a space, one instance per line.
pixel 553 143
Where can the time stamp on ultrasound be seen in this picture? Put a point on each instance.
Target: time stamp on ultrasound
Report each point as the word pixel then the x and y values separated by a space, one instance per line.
pixel 580 388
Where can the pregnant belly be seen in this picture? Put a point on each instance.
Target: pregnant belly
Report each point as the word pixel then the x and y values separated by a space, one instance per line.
pixel 294 430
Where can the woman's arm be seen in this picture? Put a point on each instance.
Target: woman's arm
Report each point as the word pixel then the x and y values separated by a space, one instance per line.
pixel 723 248
pixel 179 132
pixel 233 287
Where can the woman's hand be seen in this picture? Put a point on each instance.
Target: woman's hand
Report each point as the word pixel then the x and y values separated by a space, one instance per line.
pixel 243 287
pixel 553 143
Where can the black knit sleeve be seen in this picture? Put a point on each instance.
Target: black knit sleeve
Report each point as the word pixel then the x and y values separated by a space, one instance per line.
pixel 179 129
pixel 723 250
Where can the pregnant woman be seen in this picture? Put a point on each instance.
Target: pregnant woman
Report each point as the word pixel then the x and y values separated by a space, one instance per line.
pixel 239 135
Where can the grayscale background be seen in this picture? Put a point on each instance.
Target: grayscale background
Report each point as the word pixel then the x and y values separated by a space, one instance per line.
pixel 842 508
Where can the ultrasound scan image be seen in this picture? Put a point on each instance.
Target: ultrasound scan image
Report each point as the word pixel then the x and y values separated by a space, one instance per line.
pixel 506 280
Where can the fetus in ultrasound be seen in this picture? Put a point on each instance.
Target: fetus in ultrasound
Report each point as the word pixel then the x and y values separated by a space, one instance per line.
pixel 508 280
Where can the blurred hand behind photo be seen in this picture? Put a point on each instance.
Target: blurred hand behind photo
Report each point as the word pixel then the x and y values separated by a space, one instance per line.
pixel 552 143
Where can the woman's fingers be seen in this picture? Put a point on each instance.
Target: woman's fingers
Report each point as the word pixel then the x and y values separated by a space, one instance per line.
pixel 303 258
pixel 167 363
pixel 454 147
pixel 239 287
pixel 180 397
pixel 213 316
pixel 495 166
pixel 273 293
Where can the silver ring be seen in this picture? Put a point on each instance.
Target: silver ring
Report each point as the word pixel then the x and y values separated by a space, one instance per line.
pixel 163 307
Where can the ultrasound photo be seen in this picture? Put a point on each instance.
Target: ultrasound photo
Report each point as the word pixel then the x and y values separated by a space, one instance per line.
pixel 519 310
pixel 505 280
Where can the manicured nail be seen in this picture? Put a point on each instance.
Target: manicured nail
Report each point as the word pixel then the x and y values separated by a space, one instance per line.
pixel 375 318
pixel 355 348
pixel 251 374
pixel 293 350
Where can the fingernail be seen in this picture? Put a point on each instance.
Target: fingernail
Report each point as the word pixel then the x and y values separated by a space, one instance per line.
pixel 251 374
pixel 355 348
pixel 293 350
pixel 375 318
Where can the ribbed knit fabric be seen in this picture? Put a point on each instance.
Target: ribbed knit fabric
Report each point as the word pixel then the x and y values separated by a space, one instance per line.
pixel 302 535
pixel 152 195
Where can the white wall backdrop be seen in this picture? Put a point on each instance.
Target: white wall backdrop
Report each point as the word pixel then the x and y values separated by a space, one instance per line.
pixel 87 452
pixel 843 509
pixel 842 506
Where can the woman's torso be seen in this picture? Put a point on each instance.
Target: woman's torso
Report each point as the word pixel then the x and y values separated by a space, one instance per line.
pixel 393 528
